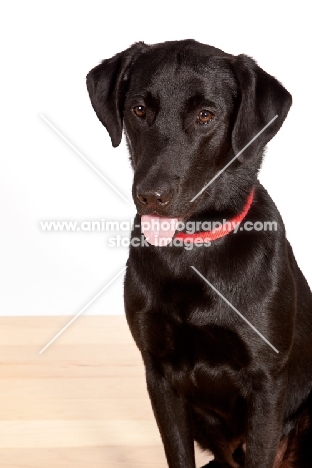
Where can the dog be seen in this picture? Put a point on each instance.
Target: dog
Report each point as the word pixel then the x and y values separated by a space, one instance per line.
pixel 222 316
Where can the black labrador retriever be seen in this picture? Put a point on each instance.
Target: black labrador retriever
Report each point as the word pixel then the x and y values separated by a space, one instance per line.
pixel 220 311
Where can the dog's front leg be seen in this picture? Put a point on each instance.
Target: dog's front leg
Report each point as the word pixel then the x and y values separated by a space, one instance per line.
pixel 173 420
pixel 265 414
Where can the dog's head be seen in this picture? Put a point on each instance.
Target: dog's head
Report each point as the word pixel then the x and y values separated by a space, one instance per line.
pixel 187 110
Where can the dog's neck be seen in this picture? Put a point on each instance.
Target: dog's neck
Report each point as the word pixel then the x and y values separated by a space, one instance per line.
pixel 222 230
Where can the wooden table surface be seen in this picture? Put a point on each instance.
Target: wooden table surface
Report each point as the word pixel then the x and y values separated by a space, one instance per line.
pixel 82 403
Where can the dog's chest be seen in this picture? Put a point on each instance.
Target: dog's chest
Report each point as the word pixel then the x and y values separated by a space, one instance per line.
pixel 197 360
pixel 190 336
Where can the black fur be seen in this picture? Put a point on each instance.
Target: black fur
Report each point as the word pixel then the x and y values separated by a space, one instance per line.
pixel 210 377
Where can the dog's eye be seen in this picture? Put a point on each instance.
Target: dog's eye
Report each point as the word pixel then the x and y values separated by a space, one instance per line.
pixel 204 116
pixel 140 111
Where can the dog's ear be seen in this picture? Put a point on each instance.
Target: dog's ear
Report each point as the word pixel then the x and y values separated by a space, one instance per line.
pixel 106 85
pixel 262 98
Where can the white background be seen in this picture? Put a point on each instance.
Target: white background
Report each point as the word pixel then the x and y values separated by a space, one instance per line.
pixel 47 48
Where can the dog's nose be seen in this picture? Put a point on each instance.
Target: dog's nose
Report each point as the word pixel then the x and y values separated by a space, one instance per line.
pixel 156 198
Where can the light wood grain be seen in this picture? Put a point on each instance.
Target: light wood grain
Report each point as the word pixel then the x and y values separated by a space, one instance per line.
pixel 81 403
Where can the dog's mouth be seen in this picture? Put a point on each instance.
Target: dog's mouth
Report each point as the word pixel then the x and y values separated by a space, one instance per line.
pixel 159 230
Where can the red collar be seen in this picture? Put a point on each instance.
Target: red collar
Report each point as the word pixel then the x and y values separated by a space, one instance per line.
pixel 221 231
